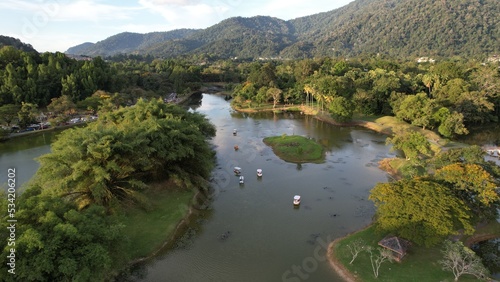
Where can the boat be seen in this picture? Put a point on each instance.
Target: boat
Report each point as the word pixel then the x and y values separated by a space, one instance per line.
pixel 237 170
pixel 242 179
pixel 234 131
pixel 296 200
pixel 259 172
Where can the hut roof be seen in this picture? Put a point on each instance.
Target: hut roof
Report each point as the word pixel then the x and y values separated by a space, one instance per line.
pixel 395 244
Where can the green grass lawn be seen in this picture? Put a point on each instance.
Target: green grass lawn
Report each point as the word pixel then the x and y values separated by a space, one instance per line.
pixel 295 148
pixel 420 264
pixel 148 229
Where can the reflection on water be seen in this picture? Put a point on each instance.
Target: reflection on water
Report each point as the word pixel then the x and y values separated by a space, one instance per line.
pixel 254 233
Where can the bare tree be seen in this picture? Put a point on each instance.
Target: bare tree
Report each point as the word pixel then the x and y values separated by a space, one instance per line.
pixel 356 247
pixel 462 260
pixel 377 259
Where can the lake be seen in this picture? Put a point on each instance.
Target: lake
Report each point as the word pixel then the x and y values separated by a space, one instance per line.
pixel 252 232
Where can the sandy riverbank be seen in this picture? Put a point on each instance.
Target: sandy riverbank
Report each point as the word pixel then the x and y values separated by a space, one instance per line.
pixel 337 265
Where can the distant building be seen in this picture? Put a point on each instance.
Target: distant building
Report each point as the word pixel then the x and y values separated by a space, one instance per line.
pixel 425 60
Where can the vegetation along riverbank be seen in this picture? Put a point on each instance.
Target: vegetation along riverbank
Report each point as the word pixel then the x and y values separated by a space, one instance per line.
pixel 448 189
pixel 134 169
pixel 108 166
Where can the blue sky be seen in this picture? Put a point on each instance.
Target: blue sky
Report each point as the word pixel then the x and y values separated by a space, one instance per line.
pixel 56 25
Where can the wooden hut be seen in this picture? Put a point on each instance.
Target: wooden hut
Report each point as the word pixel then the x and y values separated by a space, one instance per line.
pixel 398 246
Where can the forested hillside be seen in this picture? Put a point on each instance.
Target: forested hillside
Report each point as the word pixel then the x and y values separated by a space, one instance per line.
pixel 16 43
pixel 404 28
pixel 128 42
pixel 398 28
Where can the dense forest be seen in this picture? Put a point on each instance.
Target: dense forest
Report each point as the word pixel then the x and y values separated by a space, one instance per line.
pixel 402 29
pixel 69 211
pixel 448 95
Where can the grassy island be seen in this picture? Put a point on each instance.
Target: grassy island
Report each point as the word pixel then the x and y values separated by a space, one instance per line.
pixel 295 148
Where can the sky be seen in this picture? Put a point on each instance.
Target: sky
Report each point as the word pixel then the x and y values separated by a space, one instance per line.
pixel 56 25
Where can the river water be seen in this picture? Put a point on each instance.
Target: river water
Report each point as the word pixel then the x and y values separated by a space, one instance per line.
pixel 252 232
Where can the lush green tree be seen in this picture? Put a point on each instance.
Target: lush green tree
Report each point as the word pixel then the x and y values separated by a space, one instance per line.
pixel 412 143
pixel 466 155
pixel 341 109
pixel 108 161
pixel 451 92
pixel 450 124
pixel 8 113
pixel 416 109
pixel 27 114
pixel 473 184
pixel 475 107
pixel 419 210
pixel 55 242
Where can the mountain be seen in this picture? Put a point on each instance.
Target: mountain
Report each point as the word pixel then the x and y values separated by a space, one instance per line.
pixel 405 28
pixel 127 42
pixel 16 43
pixel 233 37
pixel 399 28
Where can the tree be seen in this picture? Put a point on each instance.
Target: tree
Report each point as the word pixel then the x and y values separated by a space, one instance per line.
pixel 416 109
pixel 356 247
pixel 450 124
pixel 341 109
pixel 55 242
pixel 428 79
pixel 473 183
pixel 475 107
pixel 8 113
pixel 107 162
pixel 27 114
pixel 412 143
pixel 275 94
pixel 377 260
pixel 62 105
pixel 461 260
pixel 419 210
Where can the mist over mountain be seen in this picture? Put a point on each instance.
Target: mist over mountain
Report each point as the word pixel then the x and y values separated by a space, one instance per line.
pixel 400 28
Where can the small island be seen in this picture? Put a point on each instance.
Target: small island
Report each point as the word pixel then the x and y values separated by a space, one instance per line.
pixel 295 148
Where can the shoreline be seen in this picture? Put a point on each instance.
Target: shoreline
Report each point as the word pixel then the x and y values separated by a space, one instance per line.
pixel 336 265
pixel 321 116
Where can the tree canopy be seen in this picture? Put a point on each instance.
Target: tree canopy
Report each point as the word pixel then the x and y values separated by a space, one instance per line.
pixel 419 210
pixel 112 159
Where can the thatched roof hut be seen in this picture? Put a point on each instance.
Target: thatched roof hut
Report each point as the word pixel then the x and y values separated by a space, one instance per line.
pixel 397 245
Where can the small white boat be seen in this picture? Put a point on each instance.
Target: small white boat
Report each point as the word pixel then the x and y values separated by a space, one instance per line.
pixel 242 179
pixel 234 131
pixel 296 200
pixel 259 172
pixel 237 170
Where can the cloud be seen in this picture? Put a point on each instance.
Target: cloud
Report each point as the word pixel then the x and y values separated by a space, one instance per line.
pixel 187 13
pixel 81 10
pixel 172 2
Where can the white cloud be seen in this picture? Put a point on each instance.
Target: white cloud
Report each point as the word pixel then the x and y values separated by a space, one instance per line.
pixel 192 14
pixel 171 2
pixel 81 10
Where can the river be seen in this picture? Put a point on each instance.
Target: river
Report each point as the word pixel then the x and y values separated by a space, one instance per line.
pixel 252 232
